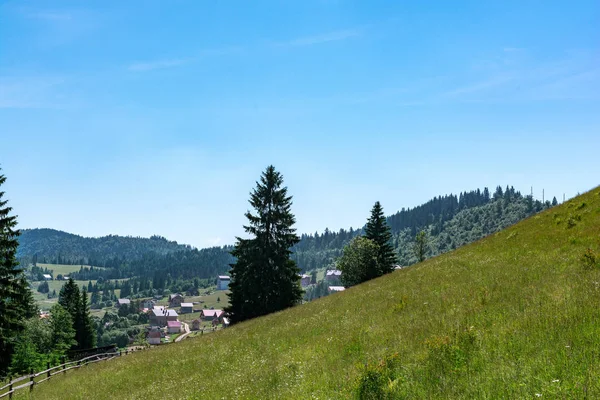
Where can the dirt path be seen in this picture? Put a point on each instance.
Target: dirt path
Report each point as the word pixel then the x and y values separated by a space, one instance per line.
pixel 186 328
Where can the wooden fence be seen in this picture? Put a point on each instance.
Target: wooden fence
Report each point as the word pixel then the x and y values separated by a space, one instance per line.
pixel 31 380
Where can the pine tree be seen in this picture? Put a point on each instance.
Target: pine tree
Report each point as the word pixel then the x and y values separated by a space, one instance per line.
pixel 379 232
pixel 264 279
pixel 84 328
pixel 16 300
pixel 420 247
pixel 68 297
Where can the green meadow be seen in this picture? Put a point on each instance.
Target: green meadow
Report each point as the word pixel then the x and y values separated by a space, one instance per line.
pixel 512 316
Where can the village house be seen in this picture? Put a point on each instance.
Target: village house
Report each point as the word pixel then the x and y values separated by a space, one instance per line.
pixel 173 326
pixel 187 308
pixel 175 300
pixel 333 289
pixel 122 302
pixel 154 337
pixel 225 322
pixel 196 325
pixel 305 280
pixel 209 315
pixel 47 277
pixel 333 275
pixel 148 304
pixel 398 267
pixel 223 282
pixel 159 316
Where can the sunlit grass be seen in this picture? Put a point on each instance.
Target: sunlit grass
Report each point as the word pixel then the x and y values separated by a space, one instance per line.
pixel 514 315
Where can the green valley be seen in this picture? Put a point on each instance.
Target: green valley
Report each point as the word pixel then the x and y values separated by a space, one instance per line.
pixel 513 315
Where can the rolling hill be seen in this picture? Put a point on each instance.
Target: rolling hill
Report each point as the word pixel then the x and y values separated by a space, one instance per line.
pixel 514 315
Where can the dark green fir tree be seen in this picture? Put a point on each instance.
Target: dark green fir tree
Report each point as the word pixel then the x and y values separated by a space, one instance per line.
pixel 264 279
pixel 16 299
pixel 85 334
pixel 379 232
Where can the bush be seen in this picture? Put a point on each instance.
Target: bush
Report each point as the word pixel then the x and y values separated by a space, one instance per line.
pixel 379 381
pixel 589 259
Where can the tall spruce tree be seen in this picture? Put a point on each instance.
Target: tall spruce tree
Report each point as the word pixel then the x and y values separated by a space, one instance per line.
pixel 378 230
pixel 85 334
pixel 16 300
pixel 69 297
pixel 264 279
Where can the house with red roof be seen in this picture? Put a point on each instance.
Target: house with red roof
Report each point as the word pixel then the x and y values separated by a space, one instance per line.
pixel 173 326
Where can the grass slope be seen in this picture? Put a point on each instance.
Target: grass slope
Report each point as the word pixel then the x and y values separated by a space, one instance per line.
pixel 514 315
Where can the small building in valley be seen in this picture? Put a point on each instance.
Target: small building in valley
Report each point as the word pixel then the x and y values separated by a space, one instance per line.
pixel 122 302
pixel 47 277
pixel 173 326
pixel 187 308
pixel 209 315
pixel 223 282
pixel 305 280
pixel 175 300
pixel 333 289
pixel 154 337
pixel 149 304
pixel 159 316
pixel 333 275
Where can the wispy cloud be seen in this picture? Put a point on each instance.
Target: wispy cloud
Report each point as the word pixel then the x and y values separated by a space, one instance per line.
pixel 487 84
pixel 517 75
pixel 32 92
pixel 158 64
pixel 142 66
pixel 324 38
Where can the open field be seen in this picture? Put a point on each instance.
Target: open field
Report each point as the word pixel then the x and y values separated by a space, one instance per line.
pixel 62 269
pixel 512 316
pixel 45 303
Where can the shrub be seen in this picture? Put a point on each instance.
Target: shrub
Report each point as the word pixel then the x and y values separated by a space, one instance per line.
pixel 589 259
pixel 379 381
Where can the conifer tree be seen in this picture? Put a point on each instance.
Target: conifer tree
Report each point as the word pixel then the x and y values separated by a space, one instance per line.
pixel 84 328
pixel 16 300
pixel 69 298
pixel 264 279
pixel 378 230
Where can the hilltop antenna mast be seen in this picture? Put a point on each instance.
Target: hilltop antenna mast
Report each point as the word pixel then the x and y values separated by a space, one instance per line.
pixel 543 198
pixel 563 197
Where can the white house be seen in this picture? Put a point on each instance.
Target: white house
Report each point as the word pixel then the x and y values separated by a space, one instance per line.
pixel 333 275
pixel 47 277
pixel 223 282
pixel 333 289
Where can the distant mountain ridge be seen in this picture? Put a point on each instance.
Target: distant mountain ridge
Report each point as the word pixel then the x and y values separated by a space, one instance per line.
pixel 66 248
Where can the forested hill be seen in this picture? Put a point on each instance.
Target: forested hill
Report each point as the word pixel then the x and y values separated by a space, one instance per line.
pixel 450 221
pixel 60 247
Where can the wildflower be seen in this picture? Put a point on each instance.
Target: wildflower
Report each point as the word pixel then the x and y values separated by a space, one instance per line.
pixel 555 381
pixel 538 395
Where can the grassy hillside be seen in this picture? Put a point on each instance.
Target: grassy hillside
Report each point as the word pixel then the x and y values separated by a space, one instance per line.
pixel 514 315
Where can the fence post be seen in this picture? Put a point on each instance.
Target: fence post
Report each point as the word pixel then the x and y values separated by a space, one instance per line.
pixel 10 388
pixel 48 368
pixel 119 353
pixel 31 382
pixel 126 351
pixel 63 363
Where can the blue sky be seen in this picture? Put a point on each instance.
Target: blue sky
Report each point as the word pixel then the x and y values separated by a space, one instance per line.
pixel 153 117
